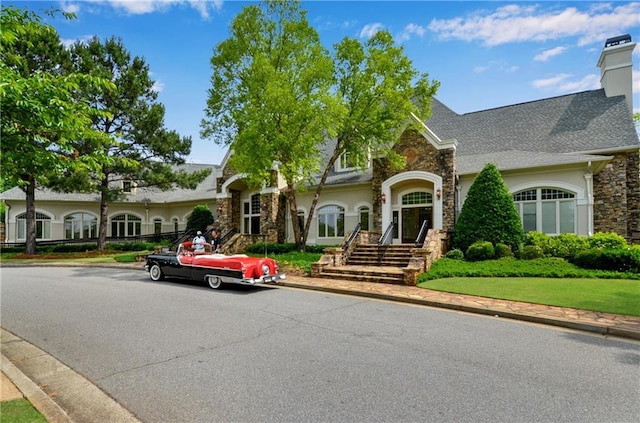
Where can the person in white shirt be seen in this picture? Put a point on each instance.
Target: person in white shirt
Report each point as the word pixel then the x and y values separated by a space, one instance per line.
pixel 198 243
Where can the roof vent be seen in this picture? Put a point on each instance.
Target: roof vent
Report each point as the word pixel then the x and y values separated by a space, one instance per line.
pixel 621 39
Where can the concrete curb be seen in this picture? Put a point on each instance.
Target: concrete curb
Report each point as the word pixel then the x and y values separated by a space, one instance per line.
pixel 41 401
pixel 582 326
pixel 52 387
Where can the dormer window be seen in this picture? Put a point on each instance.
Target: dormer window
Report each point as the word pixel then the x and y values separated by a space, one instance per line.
pixel 128 187
pixel 345 163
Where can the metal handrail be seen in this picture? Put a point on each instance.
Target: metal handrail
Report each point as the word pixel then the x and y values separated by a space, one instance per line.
pixel 352 237
pixel 385 239
pixel 422 235
pixel 231 232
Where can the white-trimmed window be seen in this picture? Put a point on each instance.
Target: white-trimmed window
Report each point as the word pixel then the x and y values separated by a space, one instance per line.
pixel 128 187
pixel 43 226
pixel 331 222
pixel 157 226
pixel 80 225
pixel 417 198
pixel 364 214
pixel 251 215
pixel 346 163
pixel 548 210
pixel 123 225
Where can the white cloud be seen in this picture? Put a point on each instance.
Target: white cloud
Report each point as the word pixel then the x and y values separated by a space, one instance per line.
pixel 68 42
pixel 158 86
pixel 411 29
pixel 550 82
pixel 517 23
pixel 635 84
pixel 370 30
pixel 562 83
pixel 141 7
pixel 548 54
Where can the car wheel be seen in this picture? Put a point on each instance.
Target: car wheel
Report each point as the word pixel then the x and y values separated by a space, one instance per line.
pixel 155 273
pixel 214 282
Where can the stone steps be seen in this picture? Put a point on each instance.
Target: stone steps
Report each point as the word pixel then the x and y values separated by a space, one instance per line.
pixel 374 255
pixel 379 274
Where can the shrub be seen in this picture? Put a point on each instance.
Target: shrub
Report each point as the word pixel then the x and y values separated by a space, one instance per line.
pixel 480 250
pixel 607 240
pixel 530 252
pixel 200 218
pixel 625 259
pixel 73 248
pixel 503 250
pixel 455 254
pixel 259 248
pixel 568 245
pixel 488 213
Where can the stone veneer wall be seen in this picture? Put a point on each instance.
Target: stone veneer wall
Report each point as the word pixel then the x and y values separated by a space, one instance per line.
pixel 420 155
pixel 616 196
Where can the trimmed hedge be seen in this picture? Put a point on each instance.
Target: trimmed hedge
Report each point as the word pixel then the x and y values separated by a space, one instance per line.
pixel 272 248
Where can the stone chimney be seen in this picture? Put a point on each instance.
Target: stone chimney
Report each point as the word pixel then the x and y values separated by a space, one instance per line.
pixel 615 68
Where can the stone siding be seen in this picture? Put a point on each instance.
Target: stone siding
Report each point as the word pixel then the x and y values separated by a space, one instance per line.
pixel 616 196
pixel 420 155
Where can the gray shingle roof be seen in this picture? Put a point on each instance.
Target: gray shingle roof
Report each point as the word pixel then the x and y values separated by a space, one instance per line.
pixel 205 190
pixel 585 122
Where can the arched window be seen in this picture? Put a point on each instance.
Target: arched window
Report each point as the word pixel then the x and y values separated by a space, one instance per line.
pixel 124 225
pixel 43 226
pixel 548 210
pixel 80 225
pixel 331 222
pixel 417 198
pixel 363 214
pixel 175 224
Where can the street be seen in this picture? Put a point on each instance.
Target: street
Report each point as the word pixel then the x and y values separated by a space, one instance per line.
pixel 178 351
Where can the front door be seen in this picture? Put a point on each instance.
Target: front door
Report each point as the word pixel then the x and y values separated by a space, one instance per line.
pixel 412 219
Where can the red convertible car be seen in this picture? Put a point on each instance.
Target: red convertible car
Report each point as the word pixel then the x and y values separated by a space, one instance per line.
pixel 214 269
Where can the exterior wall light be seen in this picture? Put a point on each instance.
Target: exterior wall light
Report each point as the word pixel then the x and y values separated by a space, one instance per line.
pixel 438 193
pixel 384 198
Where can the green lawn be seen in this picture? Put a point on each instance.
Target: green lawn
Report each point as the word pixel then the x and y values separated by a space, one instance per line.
pixel 618 296
pixel 20 411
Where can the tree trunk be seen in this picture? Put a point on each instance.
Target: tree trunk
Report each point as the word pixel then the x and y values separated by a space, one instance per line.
pixel 104 209
pixel 293 211
pixel 30 236
pixel 319 188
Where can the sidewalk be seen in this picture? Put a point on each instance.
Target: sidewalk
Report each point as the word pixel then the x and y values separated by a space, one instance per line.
pixel 600 323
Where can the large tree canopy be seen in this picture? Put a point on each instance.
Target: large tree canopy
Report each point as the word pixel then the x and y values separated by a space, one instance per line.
pixel 41 119
pixel 278 96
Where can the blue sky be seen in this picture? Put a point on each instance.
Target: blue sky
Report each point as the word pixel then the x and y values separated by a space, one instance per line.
pixel 485 54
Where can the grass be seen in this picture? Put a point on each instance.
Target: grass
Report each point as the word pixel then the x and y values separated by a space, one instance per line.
pixel 618 296
pixel 89 257
pixel 294 262
pixel 20 411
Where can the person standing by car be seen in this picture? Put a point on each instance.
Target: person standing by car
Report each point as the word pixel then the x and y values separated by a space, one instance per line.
pixel 215 241
pixel 199 242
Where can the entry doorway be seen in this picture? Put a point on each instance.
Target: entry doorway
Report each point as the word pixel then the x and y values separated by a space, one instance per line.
pixel 412 218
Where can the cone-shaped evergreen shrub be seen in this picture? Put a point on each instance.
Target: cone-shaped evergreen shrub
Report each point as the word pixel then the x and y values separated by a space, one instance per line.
pixel 489 213
pixel 200 218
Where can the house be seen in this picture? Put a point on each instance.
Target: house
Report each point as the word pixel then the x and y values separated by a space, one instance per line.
pixel 572 163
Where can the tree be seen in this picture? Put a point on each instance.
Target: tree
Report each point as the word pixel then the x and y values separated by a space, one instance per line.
pixel 377 91
pixel 489 213
pixel 277 96
pixel 270 96
pixel 41 119
pixel 141 152
pixel 200 218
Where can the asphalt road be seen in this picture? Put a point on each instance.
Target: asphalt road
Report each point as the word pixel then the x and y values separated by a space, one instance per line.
pixel 181 352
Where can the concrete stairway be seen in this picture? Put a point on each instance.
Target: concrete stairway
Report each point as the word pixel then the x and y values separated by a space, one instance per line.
pixel 397 255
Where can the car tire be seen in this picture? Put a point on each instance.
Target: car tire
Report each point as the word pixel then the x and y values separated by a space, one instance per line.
pixel 155 273
pixel 214 282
